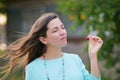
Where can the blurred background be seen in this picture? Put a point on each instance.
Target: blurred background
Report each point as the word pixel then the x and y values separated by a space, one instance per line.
pixel 81 17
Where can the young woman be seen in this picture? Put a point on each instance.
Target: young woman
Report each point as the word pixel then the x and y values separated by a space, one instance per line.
pixel 40 53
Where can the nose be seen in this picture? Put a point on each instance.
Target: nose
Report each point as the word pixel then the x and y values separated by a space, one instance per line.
pixel 62 32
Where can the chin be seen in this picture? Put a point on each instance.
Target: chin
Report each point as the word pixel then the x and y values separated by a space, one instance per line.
pixel 64 45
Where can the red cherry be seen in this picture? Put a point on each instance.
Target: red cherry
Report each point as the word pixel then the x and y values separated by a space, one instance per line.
pixel 87 38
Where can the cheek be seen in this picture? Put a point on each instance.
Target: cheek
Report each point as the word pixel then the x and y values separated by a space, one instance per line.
pixel 53 41
pixel 65 32
pixel 52 37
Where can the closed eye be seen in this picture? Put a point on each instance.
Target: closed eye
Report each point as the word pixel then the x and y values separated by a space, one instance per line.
pixel 62 26
pixel 55 29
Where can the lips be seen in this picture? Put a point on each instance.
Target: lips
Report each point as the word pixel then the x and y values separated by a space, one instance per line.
pixel 63 38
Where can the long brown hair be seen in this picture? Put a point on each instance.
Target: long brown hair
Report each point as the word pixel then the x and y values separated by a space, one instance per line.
pixel 27 48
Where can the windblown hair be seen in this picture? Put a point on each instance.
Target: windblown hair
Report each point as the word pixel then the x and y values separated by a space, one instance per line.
pixel 27 48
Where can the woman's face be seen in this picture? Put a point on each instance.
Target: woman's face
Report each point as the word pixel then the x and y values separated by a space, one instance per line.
pixel 56 33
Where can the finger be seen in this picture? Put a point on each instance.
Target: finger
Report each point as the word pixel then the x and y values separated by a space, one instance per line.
pixel 88 37
pixel 100 41
pixel 96 38
pixel 93 38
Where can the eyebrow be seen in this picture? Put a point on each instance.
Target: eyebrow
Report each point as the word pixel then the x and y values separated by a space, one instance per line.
pixel 54 28
pixel 57 27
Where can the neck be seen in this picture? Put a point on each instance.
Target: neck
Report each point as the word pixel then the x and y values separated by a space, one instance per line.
pixel 52 53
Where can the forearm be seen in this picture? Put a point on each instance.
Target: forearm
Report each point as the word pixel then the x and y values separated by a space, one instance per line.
pixel 94 65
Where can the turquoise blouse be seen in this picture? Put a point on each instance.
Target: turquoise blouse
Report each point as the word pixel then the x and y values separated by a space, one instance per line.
pixel 74 69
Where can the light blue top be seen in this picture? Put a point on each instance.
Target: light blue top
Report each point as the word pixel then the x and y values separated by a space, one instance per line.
pixel 74 69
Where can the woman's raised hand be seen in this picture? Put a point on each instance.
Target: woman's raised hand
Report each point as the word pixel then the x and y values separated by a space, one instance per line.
pixel 95 44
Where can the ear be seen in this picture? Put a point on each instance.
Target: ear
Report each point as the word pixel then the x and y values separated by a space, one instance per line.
pixel 43 40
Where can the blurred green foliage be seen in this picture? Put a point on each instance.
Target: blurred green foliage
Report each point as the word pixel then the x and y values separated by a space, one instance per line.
pixel 3 6
pixel 101 16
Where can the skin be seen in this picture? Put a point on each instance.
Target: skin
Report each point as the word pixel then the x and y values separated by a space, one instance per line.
pixel 56 39
pixel 95 44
